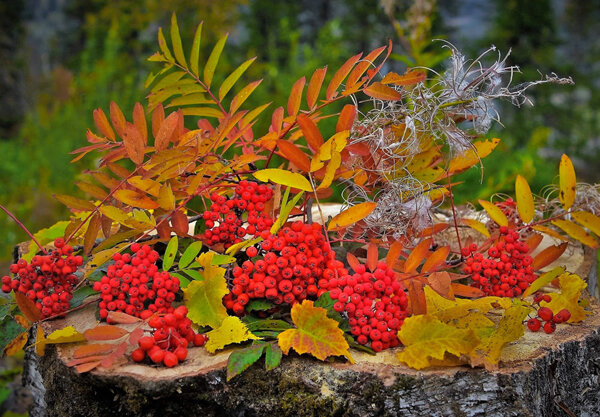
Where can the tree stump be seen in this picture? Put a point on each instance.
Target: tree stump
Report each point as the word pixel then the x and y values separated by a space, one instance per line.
pixel 539 375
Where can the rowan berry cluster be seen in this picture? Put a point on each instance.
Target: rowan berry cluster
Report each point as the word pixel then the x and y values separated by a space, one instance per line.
pixel 48 280
pixel 170 337
pixel 375 303
pixel 224 221
pixel 133 284
pixel 544 314
pixel 294 264
pixel 507 271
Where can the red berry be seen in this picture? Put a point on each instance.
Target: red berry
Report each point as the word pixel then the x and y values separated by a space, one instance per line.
pixel 549 327
pixel 156 355
pixel 199 339
pixel 170 359
pixel 545 313
pixel 138 355
pixel 534 324
pixel 146 342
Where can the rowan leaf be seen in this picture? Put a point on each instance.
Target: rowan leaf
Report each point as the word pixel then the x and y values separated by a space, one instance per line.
pixel 86 367
pixel 27 307
pixel 332 166
pixel 436 259
pixel 525 204
pixel 75 203
pixel 273 355
pixel 91 189
pixel 102 124
pixel 40 341
pixel 180 224
pixel 417 255
pixel 283 177
pixel 100 258
pixel 139 120
pixel 293 154
pixel 135 199
pixel 589 220
pixel 315 333
pixel 473 155
pixel 494 212
pixel 426 338
pixel 314 86
pixel 463 290
pixel 351 215
pixel 233 78
pixel 213 60
pixel 567 182
pixel 119 317
pixel 548 255
pixel 195 52
pixel 15 345
pixel 411 77
pixel 339 76
pixel 189 254
pixel 509 329
pixel 311 132
pixel 134 143
pixel 93 349
pixel 295 98
pixel 167 127
pixel 231 330
pixel 346 119
pixel 170 253
pixel 65 335
pixel 104 332
pixel 162 43
pixel 242 359
pixel 176 41
pixel 570 286
pixel 117 118
pixel 382 92
pixel 91 233
pixel 550 232
pixel 576 232
pixel 242 96
pixel 393 253
pixel 543 280
pixel 133 220
pixel 203 297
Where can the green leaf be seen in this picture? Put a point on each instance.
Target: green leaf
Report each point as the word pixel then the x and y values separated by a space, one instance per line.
pixel 202 111
pixel 170 253
pixel 176 40
pixel 325 301
pixel 190 99
pixel 213 60
pixel 259 304
pixel 286 209
pixel 45 236
pixel 80 294
pixel 190 254
pixel 162 43
pixel 269 324
pixel 168 80
pixel 273 356
pixel 220 259
pixel 233 77
pixel 240 360
pixel 9 330
pixel 195 52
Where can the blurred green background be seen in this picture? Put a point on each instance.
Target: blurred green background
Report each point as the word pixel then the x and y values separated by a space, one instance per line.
pixel 63 58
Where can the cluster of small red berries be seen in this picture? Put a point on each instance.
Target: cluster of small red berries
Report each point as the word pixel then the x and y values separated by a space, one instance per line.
pixel 224 221
pixel 375 303
pixel 544 314
pixel 294 264
pixel 171 335
pixel 133 284
pixel 48 280
pixel 507 272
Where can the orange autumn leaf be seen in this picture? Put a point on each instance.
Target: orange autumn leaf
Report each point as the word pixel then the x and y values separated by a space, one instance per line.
pixel 86 367
pixel 382 92
pixel 346 119
pixel 180 224
pixel 139 120
pixel 567 182
pixel 314 86
pixel 93 349
pixel 27 307
pixel 121 318
pixel 311 132
pixel 352 261
pixel 416 256
pixel 372 256
pixel 135 199
pixel 16 344
pixel 411 77
pixel 534 241
pixel 351 215
pixel 473 156
pixel 102 124
pixel 436 259
pixel 315 333
pixel 339 76
pixel 548 255
pixel 432 230
pixel 293 154
pixel 134 143
pixel 117 118
pixel 441 282
pixel 167 127
pixel 525 204
pixel 393 254
pixel 416 296
pixel 295 98
pixel 466 290
pixel 104 332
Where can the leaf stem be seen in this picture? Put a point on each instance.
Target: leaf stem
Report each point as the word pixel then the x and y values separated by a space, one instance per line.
pixel 22 226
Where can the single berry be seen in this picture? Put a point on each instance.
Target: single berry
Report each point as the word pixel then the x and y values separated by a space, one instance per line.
pixel 534 324
pixel 545 313
pixel 549 327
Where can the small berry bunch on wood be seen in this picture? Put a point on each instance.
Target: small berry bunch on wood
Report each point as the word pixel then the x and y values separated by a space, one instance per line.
pixel 507 271
pixel 286 268
pixel 48 280
pixel 226 217
pixel 546 315
pixel 133 284
pixel 170 337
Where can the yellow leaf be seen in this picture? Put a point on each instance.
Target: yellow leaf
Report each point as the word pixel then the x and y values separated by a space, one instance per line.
pixel 134 221
pixel 525 204
pixel 40 341
pixel 283 177
pixel 334 164
pixel 576 232
pixel 473 156
pixel 571 286
pixel 589 220
pixel 232 330
pixel 449 311
pixel 543 280
pixel 65 335
pixel 510 328
pixel 494 212
pixel 315 333
pixel 145 184
pixel 550 232
pixel 476 225
pixel 426 337
pixel 15 345
pixel 166 199
pixel 204 297
pixel 567 182
pixel 335 144
pixel 351 215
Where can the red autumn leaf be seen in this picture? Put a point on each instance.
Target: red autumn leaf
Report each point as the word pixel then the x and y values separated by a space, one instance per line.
pixel 91 233
pixel 372 256
pixel 346 119
pixel 311 132
pixel 339 76
pixel 411 77
pixel 117 118
pixel 86 367
pixel 466 290
pixel 158 116
pixel 180 224
pixel 121 318
pixel 134 144
pixel 361 68
pixel 27 307
pixel 88 359
pixel 104 332
pixel 352 261
pixel 293 154
pixel 93 349
pixel 102 124
pixel 436 259
pixel 548 255
pixel 119 352
pixel 164 230
pixel 139 120
pixel 165 131
pixel 314 86
pixel 295 98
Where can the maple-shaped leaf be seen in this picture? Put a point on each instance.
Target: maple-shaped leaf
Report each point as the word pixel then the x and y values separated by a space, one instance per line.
pixel 232 330
pixel 450 311
pixel 426 337
pixel 204 297
pixel 510 328
pixel 315 333
pixel 571 286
